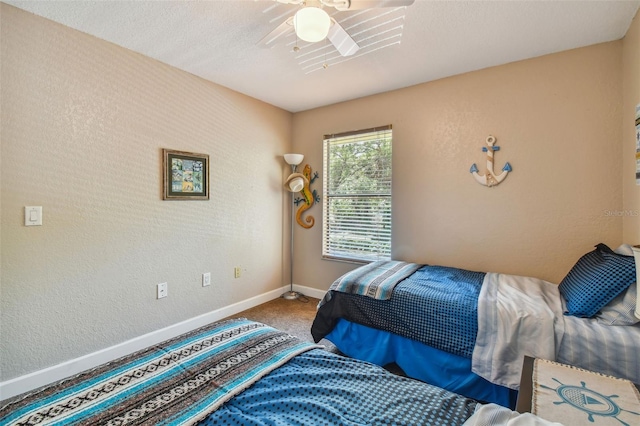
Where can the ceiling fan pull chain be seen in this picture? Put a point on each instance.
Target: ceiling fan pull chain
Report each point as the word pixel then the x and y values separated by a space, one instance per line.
pixel 325 65
pixel 296 48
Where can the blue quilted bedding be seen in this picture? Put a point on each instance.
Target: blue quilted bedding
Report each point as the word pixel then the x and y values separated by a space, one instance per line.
pixel 322 388
pixel 237 372
pixel 436 305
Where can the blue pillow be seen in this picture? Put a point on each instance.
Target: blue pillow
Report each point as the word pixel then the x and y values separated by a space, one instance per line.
pixel 596 279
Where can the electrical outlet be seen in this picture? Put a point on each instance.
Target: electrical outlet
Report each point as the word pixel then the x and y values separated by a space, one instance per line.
pixel 163 290
pixel 236 272
pixel 206 279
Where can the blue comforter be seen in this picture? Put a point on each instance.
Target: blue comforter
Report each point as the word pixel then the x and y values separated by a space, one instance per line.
pixel 436 305
pixel 322 388
pixel 237 372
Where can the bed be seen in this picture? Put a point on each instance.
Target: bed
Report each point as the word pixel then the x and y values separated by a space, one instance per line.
pixel 240 372
pixel 468 331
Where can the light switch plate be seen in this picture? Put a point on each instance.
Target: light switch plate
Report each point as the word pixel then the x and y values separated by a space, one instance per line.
pixel 32 215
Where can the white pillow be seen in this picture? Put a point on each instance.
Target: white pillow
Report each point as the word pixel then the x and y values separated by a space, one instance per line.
pixel 620 311
pixel 625 250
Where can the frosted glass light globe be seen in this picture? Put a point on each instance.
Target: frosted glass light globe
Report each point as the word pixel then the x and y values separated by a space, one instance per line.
pixel 311 24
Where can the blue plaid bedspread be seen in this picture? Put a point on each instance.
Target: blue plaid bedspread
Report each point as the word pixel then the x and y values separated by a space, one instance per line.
pixel 436 305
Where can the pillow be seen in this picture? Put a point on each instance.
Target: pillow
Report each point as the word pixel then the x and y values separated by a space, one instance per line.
pixel 624 249
pixel 620 311
pixel 595 280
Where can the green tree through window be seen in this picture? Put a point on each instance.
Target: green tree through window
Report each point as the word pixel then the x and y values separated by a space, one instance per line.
pixel 357 195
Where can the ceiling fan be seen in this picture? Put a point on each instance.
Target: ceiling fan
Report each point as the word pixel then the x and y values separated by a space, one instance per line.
pixel 312 23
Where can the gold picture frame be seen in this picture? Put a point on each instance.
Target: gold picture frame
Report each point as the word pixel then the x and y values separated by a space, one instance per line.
pixel 185 175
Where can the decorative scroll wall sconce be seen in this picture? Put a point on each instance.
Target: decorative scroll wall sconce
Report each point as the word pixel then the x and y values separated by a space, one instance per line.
pixel 490 178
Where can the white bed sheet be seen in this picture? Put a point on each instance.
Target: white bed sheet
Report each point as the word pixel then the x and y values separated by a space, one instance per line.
pixel 520 316
pixel 606 349
pixel 517 316
pixel 495 415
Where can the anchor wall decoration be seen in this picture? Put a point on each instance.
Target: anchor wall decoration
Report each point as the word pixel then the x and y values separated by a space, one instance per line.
pixel 490 178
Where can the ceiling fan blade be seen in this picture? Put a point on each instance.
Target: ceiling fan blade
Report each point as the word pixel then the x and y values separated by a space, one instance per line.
pixel 370 4
pixel 296 2
pixel 341 40
pixel 282 29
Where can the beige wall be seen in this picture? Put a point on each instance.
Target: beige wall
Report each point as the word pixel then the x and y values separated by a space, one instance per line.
pixel 631 98
pixel 557 120
pixel 83 124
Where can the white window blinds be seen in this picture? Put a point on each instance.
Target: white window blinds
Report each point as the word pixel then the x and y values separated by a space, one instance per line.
pixel 357 195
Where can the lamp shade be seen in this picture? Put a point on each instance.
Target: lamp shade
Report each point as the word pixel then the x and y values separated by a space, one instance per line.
pixel 293 159
pixel 311 24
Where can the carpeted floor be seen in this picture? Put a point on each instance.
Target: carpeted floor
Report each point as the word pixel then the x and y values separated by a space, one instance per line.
pixel 293 316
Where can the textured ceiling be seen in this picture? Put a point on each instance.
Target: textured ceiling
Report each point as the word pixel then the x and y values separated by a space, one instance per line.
pixel 219 40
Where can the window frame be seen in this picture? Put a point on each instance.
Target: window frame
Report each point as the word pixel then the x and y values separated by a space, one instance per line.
pixel 382 232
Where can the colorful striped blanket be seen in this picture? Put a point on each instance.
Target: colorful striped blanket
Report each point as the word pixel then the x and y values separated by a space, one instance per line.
pixel 376 280
pixel 176 382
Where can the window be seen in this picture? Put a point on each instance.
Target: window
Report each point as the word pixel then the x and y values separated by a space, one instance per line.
pixel 357 195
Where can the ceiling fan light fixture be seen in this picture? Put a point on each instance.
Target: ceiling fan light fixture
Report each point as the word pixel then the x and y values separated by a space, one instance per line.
pixel 311 24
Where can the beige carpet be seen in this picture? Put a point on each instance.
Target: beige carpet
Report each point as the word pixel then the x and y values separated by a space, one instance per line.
pixel 293 316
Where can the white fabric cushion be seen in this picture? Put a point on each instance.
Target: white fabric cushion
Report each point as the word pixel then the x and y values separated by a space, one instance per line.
pixel 620 311
pixel 625 250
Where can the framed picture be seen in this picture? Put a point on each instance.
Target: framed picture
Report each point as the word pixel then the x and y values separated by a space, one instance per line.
pixel 185 175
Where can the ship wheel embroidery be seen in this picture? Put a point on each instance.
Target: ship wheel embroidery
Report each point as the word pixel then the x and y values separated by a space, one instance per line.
pixel 589 401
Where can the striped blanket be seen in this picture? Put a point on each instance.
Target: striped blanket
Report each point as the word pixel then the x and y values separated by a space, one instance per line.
pixel 376 280
pixel 176 382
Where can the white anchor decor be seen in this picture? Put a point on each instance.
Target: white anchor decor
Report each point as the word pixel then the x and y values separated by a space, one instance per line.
pixel 490 178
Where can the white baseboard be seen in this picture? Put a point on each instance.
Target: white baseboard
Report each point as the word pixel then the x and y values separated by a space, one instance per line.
pixel 308 291
pixel 37 379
